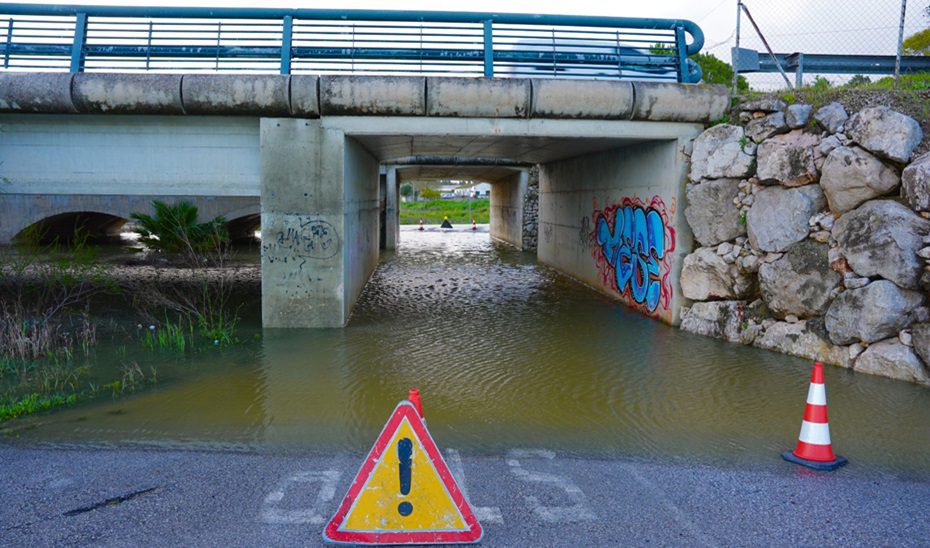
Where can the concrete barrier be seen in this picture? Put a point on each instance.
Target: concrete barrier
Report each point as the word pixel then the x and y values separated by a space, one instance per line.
pixel 243 95
pixel 478 97
pixel 305 96
pixel 671 102
pixel 127 93
pixel 594 99
pixel 35 92
pixel 373 95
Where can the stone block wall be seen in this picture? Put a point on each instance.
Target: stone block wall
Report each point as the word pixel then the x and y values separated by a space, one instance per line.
pixel 811 236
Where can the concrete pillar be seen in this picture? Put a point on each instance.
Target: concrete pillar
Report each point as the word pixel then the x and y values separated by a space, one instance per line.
pixel 319 193
pixel 392 211
pixel 507 208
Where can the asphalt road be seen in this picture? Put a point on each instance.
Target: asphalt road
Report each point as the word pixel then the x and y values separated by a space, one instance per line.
pixel 119 496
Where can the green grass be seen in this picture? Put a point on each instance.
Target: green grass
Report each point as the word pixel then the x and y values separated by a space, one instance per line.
pixel 33 403
pixel 432 212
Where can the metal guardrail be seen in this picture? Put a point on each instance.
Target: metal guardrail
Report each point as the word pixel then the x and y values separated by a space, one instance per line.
pixel 132 39
pixel 749 60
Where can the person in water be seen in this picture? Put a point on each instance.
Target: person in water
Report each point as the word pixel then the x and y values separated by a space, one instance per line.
pixel 445 222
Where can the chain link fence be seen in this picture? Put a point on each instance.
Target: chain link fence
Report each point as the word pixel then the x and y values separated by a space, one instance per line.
pixel 832 27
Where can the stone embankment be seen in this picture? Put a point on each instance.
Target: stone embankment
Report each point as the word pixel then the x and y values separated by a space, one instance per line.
pixel 811 234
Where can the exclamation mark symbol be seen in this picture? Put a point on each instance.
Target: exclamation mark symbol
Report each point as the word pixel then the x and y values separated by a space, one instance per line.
pixel 404 454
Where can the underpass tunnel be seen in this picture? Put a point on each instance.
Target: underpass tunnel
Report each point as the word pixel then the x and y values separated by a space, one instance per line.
pixel 69 227
pixel 508 181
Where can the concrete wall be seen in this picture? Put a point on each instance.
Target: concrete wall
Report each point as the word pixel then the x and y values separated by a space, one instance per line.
pixel 362 221
pixel 129 155
pixel 612 220
pixel 507 209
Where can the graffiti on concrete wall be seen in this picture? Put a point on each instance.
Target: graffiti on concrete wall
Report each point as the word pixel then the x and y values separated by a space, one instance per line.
pixel 633 243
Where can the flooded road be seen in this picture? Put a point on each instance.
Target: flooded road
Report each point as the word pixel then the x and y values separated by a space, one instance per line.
pixel 506 353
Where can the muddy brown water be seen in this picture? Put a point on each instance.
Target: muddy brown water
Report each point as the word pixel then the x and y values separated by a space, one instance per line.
pixel 506 353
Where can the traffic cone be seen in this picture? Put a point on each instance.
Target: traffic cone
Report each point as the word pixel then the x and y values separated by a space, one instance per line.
pixel 421 225
pixel 414 398
pixel 473 225
pixel 814 449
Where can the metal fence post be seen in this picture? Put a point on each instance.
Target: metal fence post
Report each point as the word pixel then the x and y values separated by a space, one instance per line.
pixel 287 37
pixel 9 42
pixel 799 72
pixel 77 47
pixel 488 49
pixel 735 59
pixel 897 60
pixel 682 47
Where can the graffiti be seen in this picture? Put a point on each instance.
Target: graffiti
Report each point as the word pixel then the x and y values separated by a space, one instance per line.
pixel 633 251
pixel 584 233
pixel 311 239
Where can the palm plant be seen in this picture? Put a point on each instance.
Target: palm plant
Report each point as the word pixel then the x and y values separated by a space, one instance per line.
pixel 174 229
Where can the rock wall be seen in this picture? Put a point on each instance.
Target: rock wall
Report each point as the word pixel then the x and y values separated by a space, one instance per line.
pixel 531 211
pixel 811 236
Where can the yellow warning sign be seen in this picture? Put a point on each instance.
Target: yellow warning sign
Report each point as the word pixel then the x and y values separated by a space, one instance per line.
pixel 404 492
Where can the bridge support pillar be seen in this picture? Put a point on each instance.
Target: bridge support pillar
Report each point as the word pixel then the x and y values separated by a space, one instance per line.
pixel 392 213
pixel 319 202
pixel 507 215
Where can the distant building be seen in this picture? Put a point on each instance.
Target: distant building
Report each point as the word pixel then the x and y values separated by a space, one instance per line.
pixel 477 190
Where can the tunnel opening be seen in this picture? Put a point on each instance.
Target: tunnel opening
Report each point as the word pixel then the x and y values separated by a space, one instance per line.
pixel 71 227
pixel 244 229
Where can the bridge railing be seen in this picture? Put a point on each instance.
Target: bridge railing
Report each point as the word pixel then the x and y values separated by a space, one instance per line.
pixel 133 39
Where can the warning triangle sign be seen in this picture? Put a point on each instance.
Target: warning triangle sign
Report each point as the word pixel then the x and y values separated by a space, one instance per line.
pixel 404 492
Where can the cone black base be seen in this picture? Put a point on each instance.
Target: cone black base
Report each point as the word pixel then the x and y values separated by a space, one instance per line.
pixel 816 465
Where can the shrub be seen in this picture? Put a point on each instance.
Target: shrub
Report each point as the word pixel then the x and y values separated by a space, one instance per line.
pixel 174 229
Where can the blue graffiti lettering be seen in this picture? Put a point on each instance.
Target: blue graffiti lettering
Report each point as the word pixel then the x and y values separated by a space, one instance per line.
pixel 633 248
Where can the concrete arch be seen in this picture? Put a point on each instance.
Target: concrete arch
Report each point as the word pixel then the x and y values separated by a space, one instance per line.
pixel 243 222
pixel 66 226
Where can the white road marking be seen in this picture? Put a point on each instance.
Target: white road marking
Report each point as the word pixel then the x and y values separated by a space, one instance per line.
pixel 577 511
pixel 486 514
pixel 327 479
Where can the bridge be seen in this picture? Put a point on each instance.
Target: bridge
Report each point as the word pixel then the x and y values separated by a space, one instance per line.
pixel 320 154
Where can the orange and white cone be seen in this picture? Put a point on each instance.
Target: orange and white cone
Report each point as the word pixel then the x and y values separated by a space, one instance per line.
pixel 421 225
pixel 473 225
pixel 815 449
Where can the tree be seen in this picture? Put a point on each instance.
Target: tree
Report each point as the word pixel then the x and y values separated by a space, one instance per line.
pixel 919 42
pixel 717 71
pixel 406 190
pixel 429 193
pixel 174 228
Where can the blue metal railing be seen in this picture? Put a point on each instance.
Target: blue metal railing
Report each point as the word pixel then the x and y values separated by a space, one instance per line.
pixel 130 39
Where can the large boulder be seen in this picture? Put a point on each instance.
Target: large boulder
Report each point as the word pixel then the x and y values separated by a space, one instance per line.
pixel 719 319
pixel 800 283
pixel 882 238
pixel 915 183
pixel 886 133
pixel 706 276
pixel 891 358
pixel 711 214
pixel 760 129
pixel 779 216
pixel 797 115
pixel 722 151
pixel 786 162
pixel 852 176
pixel 800 339
pixel 764 104
pixel 920 337
pixel 872 313
pixel 831 117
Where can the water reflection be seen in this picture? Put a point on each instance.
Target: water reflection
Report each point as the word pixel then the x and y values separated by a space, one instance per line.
pixel 506 353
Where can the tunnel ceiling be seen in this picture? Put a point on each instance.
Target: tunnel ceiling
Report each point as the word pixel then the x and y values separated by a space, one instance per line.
pixel 535 150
